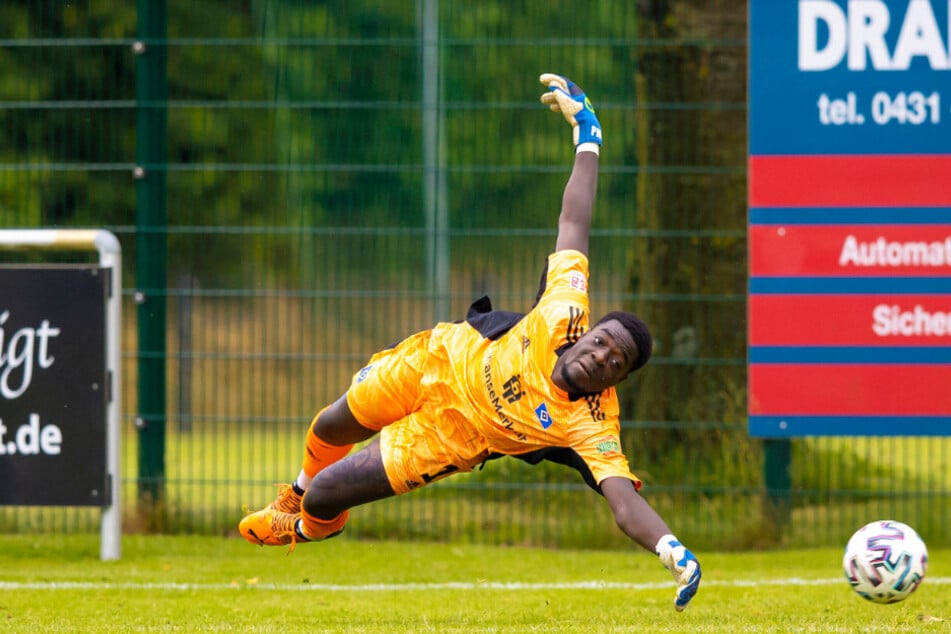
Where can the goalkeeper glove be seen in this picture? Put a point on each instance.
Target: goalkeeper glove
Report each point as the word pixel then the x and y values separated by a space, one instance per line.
pixel 566 97
pixel 683 565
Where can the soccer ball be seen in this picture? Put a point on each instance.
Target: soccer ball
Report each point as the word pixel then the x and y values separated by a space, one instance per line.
pixel 885 561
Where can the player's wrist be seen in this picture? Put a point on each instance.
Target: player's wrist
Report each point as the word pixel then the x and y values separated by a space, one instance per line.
pixel 665 544
pixel 588 129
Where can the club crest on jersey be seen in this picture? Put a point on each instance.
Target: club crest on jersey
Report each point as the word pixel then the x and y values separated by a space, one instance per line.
pixel 577 281
pixel 364 373
pixel 543 416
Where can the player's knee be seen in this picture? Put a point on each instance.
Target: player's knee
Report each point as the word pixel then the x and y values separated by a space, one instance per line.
pixel 320 501
pixel 338 426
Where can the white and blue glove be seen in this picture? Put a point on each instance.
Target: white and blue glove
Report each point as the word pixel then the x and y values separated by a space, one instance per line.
pixel 683 565
pixel 566 97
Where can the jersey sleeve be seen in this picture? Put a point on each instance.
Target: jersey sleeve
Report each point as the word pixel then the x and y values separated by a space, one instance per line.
pixel 604 458
pixel 566 277
pixel 563 303
pixel 596 438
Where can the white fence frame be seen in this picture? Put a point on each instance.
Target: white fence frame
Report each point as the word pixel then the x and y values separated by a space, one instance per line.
pixel 110 256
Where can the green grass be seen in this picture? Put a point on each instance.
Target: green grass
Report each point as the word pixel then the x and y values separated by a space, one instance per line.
pixel 206 584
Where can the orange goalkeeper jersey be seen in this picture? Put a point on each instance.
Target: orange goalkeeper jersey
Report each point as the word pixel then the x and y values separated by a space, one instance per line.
pixel 503 370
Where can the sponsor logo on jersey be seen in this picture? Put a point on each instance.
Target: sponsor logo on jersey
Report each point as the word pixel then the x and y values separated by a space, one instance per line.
pixel 364 373
pixel 496 401
pixel 543 416
pixel 576 281
pixel 512 389
pixel 608 446
pixel 526 342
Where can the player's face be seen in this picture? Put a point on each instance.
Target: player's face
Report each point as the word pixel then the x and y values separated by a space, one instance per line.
pixel 601 358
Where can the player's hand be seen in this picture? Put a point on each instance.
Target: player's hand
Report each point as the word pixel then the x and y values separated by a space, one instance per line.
pixel 683 565
pixel 566 97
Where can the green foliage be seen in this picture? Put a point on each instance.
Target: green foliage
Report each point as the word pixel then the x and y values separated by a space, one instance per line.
pixel 68 165
pixel 286 114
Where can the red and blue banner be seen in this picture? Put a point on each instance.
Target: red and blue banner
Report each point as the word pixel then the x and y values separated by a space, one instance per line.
pixel 849 326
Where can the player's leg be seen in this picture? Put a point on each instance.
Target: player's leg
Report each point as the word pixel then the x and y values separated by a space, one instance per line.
pixel 419 449
pixel 331 436
pixel 381 393
pixel 357 479
pixel 354 479
pixel 384 391
pixel 425 446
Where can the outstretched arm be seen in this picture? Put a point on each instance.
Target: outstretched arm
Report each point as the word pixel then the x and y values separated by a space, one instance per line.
pixel 577 205
pixel 634 516
pixel 639 521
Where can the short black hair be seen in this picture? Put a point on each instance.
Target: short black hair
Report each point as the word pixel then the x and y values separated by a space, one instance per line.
pixel 639 331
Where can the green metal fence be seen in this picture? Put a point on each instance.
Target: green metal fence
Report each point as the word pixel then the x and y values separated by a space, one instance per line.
pixel 297 184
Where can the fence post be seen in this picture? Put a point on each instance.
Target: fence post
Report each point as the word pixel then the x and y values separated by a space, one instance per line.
pixel 435 186
pixel 777 457
pixel 151 242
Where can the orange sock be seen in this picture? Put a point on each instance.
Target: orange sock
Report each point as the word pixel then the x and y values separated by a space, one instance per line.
pixel 319 455
pixel 315 529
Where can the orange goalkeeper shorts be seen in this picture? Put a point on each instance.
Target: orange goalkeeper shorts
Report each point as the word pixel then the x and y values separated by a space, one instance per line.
pixel 408 393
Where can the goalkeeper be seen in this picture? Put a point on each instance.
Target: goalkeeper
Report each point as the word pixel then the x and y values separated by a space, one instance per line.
pixel 536 386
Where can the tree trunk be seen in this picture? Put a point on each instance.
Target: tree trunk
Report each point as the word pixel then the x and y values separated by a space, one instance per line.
pixel 691 150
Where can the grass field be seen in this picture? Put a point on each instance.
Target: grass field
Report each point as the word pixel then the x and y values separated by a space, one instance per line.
pixel 205 584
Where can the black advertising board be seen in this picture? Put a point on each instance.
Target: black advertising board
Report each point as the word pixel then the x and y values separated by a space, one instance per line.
pixel 53 386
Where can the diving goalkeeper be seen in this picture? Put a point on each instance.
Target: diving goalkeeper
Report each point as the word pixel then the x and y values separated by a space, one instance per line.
pixel 535 386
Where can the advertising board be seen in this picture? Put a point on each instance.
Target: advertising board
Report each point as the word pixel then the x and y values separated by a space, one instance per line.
pixel 54 387
pixel 849 326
